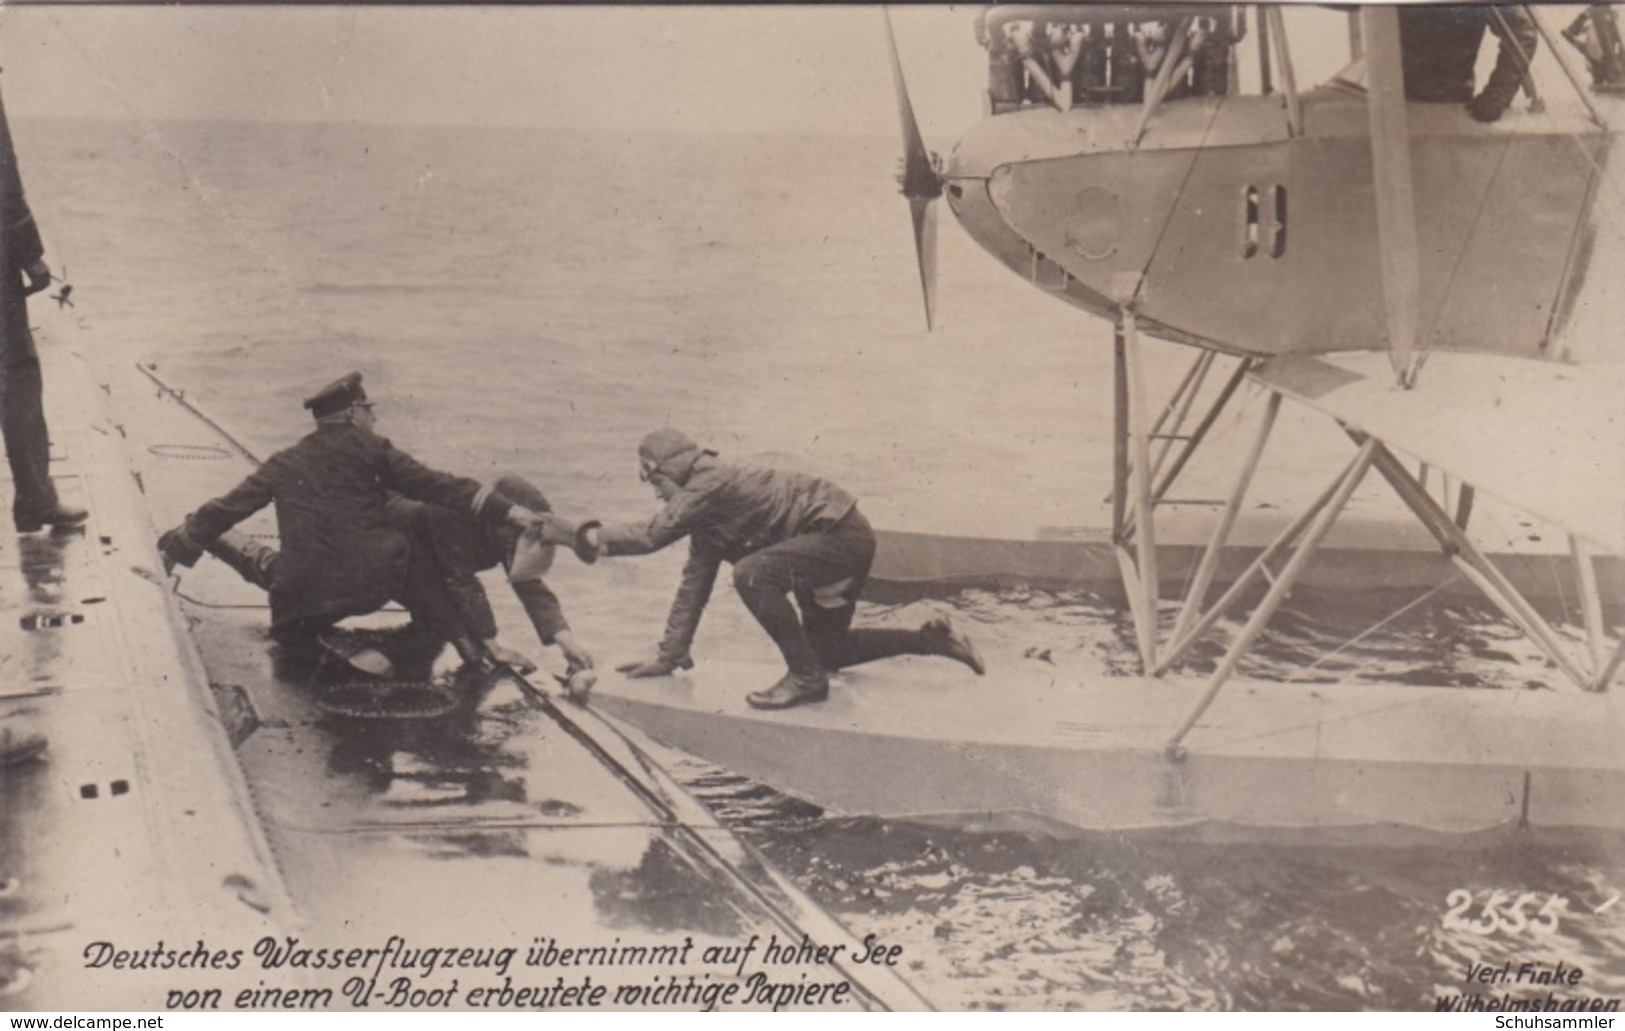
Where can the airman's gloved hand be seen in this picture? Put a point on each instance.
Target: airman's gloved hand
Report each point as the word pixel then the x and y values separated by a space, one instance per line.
pixel 586 544
pixel 656 667
pixel 555 529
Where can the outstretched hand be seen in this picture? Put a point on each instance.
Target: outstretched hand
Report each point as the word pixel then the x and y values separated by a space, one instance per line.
pixel 644 668
pixel 506 656
pixel 656 667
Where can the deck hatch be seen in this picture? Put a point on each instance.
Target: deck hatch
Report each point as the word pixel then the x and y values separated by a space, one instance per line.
pixel 91 791
pixel 51 620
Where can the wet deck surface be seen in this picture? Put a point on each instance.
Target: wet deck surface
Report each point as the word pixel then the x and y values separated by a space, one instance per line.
pixel 220 803
pixel 131 827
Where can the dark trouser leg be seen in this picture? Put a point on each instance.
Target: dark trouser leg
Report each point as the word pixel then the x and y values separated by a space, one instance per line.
pixel 825 571
pixel 855 647
pixel 452 547
pixel 299 634
pixel 829 625
pixel 428 601
pixel 777 616
pixel 28 442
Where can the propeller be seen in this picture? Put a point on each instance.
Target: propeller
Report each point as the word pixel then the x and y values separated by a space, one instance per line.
pixel 921 182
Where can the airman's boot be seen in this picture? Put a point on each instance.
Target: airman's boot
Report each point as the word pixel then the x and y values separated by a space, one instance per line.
pixel 58 516
pixel 791 690
pixel 947 640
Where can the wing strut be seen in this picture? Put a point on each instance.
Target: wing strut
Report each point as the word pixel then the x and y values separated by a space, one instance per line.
pixel 1391 175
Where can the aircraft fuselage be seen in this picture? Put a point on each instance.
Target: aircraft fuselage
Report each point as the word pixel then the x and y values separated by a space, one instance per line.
pixel 1224 229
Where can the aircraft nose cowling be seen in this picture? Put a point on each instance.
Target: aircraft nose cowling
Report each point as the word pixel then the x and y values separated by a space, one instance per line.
pixel 1094 223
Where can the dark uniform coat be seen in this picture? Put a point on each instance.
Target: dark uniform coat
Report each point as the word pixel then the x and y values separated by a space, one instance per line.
pixel 340 557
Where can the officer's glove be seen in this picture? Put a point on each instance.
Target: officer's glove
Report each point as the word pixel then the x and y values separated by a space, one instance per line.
pixel 178 547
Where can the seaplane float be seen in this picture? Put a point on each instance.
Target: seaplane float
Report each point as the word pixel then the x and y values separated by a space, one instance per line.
pixel 1444 290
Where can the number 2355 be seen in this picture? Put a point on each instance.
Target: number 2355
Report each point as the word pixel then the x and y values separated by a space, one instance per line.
pixel 1504 912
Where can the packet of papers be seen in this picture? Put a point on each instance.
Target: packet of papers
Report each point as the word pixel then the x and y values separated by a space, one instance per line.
pixel 532 558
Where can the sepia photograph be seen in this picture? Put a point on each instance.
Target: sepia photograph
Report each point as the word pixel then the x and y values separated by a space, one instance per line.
pixel 560 508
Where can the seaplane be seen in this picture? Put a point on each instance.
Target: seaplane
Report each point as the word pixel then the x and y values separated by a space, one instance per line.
pixel 1443 289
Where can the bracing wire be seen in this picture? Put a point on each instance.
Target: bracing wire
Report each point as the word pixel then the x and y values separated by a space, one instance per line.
pixel 1416 602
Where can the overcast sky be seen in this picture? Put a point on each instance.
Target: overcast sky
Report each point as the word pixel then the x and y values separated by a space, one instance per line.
pixel 819 69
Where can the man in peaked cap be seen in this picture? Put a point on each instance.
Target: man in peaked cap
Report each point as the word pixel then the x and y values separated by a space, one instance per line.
pixel 22 411
pixel 341 554
pixel 786 534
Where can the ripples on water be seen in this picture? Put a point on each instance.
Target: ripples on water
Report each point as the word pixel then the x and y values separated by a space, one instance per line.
pixel 1002 918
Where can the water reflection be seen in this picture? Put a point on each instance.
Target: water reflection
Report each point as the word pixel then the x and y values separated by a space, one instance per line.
pixel 669 890
pixel 1010 919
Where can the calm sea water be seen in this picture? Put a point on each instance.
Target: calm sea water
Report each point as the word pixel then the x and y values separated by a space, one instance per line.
pixel 538 300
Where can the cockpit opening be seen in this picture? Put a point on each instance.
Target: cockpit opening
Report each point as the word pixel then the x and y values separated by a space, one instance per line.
pixel 1082 56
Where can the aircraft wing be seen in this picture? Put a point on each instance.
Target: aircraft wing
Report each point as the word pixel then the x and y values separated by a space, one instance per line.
pixel 1544 436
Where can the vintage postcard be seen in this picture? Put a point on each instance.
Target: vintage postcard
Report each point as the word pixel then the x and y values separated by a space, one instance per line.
pixel 559 508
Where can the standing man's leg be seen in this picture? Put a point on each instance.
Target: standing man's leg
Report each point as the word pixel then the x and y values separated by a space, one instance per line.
pixel 28 442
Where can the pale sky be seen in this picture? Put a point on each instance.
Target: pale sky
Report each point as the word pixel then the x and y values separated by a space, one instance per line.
pixel 799 69
pixel 754 68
